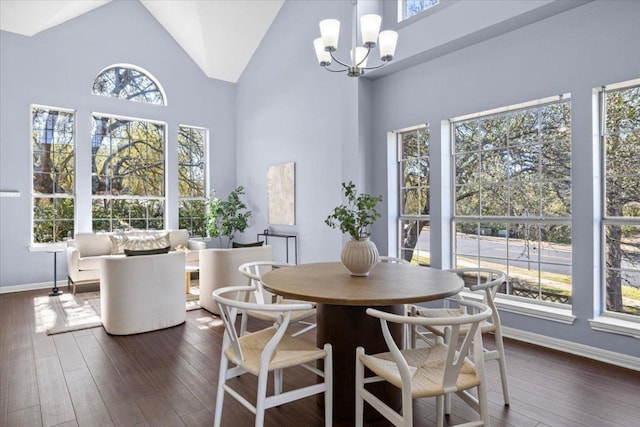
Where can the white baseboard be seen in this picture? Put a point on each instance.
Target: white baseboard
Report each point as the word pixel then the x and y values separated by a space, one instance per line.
pixel 31 287
pixel 606 356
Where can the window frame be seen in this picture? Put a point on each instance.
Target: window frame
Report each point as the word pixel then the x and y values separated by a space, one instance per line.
pixel 480 219
pixel 203 198
pixel 625 323
pixel 161 199
pixel 400 247
pixel 72 196
pixel 402 10
pixel 137 69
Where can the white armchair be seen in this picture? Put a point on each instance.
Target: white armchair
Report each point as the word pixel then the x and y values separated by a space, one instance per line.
pixel 219 268
pixel 142 293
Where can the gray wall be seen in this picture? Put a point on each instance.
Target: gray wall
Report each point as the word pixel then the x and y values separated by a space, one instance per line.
pixel 289 109
pixel 576 51
pixel 334 130
pixel 57 68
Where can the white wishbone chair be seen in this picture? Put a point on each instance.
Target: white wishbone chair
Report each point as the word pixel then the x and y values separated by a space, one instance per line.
pixel 484 281
pixel 254 271
pixel 433 371
pixel 268 350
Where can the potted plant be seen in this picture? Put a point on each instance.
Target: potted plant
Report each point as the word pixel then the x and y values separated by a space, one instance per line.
pixel 355 218
pixel 224 218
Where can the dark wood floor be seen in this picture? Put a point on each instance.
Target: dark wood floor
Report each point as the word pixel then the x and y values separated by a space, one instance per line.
pixel 168 378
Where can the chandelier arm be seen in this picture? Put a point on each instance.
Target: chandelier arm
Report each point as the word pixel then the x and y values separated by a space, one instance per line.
pixel 334 71
pixel 338 61
pixel 365 58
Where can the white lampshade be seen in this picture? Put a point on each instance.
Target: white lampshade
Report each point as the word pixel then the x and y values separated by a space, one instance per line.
pixel 361 55
pixel 324 57
pixel 330 32
pixel 388 40
pixel 370 25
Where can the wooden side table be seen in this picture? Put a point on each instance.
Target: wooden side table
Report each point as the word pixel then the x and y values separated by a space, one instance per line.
pixel 188 269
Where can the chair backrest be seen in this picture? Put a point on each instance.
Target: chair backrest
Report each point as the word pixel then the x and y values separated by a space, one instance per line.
pixel 230 301
pixel 393 259
pixel 487 281
pixel 254 271
pixel 465 333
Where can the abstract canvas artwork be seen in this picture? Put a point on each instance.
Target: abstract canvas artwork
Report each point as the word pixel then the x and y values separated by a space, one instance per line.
pixel 282 194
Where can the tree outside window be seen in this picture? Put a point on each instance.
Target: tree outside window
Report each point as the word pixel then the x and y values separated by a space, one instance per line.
pixel 410 8
pixel 192 179
pixel 512 197
pixel 127 82
pixel 127 156
pixel 621 210
pixel 128 174
pixel 413 168
pixel 53 166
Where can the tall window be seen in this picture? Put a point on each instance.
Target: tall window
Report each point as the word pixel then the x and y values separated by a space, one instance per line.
pixel 413 168
pixel 130 83
pixel 192 178
pixel 408 8
pixel 620 111
pixel 512 196
pixel 53 166
pixel 128 173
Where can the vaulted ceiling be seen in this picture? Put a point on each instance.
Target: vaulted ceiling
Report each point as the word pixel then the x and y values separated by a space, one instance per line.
pixel 220 36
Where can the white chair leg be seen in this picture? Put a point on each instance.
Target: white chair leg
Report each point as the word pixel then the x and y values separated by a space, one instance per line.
pixel 447 397
pixel 407 408
pixel 503 367
pixel 359 384
pixel 328 382
pixel 483 404
pixel 440 411
pixel 224 363
pixel 447 404
pixel 261 397
pixel 277 381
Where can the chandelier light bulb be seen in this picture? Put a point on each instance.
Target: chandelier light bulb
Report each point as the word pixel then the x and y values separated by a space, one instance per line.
pixel 361 57
pixel 370 26
pixel 324 57
pixel 330 32
pixel 388 40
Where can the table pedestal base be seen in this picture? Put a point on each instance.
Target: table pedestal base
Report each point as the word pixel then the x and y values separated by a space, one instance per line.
pixel 346 328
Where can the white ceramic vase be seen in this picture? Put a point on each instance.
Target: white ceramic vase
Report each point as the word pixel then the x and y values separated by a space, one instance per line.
pixel 360 256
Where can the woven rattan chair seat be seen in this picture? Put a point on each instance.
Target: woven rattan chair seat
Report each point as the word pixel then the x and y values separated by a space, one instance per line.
pixel 290 351
pixel 427 367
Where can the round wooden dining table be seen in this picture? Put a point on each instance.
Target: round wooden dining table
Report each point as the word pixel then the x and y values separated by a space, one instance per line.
pixel 341 302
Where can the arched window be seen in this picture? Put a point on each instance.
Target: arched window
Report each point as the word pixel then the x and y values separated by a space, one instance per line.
pixel 128 155
pixel 129 82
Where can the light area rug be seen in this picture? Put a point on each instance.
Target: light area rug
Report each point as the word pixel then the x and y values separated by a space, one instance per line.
pixel 68 312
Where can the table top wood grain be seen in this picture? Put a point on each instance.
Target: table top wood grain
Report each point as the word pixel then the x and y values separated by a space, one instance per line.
pixel 387 284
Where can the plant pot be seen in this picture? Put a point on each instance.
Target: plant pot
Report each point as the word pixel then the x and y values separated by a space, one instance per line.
pixel 360 256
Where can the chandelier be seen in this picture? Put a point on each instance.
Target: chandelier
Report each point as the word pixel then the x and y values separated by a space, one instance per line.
pixel 327 44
